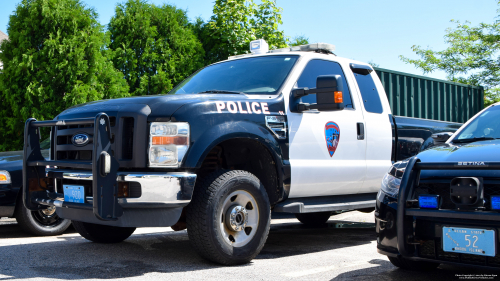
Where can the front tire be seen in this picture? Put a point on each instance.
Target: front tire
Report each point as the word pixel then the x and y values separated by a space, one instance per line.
pixel 407 264
pixel 229 218
pixel 103 233
pixel 41 223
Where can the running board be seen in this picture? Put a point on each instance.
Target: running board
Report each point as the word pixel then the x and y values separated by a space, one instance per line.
pixel 327 203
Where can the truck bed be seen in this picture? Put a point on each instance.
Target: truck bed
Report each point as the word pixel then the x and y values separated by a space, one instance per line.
pixel 413 135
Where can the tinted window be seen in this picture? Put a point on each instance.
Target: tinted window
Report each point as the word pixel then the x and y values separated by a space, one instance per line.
pixel 259 75
pixel 486 125
pixel 316 68
pixel 369 93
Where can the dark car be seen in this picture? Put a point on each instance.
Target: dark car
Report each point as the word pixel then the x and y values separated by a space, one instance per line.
pixel 44 222
pixel 443 205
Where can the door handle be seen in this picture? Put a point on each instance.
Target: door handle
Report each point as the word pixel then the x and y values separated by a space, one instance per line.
pixel 361 130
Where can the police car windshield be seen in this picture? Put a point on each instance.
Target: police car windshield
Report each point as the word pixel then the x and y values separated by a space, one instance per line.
pixel 255 76
pixel 485 127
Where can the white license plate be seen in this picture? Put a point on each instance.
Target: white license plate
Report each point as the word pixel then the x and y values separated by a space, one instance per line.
pixel 473 241
pixel 74 193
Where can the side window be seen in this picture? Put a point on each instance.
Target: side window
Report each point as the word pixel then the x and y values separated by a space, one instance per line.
pixel 316 68
pixel 369 93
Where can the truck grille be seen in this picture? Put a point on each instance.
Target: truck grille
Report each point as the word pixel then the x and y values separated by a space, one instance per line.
pixel 66 150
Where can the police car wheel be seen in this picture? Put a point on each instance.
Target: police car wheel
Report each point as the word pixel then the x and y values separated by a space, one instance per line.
pixel 103 233
pixel 41 223
pixel 229 217
pixel 407 264
pixel 314 219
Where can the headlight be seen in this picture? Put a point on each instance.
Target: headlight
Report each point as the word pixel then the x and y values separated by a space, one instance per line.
pixel 392 180
pixel 4 177
pixel 168 144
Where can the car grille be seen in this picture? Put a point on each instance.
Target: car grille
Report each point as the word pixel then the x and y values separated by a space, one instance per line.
pixel 442 188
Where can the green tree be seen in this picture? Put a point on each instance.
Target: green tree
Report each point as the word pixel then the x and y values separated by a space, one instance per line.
pixel 55 58
pixel 153 46
pixel 299 40
pixel 472 57
pixel 235 23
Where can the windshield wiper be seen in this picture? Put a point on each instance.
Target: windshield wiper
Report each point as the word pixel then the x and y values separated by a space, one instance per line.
pixel 473 139
pixel 221 92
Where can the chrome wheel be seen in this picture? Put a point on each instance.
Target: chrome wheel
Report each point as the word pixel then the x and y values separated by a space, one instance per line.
pixel 239 218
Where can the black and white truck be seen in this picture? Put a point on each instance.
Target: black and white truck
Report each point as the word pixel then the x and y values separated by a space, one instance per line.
pixel 297 130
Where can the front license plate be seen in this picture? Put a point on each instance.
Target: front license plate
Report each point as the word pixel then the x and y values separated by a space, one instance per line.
pixel 469 241
pixel 74 193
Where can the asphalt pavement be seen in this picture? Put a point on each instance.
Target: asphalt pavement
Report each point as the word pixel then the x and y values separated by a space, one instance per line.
pixel 344 249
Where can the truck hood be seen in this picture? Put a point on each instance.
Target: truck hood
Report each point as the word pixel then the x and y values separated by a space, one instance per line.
pixel 160 105
pixel 480 151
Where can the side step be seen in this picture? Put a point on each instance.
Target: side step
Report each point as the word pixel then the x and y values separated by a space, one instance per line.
pixel 327 203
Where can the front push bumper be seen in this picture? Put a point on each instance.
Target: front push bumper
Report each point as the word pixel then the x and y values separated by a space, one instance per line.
pixel 159 202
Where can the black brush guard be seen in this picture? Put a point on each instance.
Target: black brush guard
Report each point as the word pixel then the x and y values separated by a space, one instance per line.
pixel 410 180
pixel 104 186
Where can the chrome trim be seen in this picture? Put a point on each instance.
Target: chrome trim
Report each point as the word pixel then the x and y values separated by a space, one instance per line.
pixel 279 120
pixel 158 189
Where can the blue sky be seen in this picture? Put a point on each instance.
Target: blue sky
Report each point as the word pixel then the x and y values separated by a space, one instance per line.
pixel 365 30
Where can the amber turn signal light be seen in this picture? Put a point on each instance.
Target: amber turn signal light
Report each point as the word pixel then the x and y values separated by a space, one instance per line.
pixel 3 177
pixel 338 97
pixel 162 140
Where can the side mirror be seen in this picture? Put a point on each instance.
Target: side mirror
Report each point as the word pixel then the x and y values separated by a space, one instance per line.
pixel 440 138
pixel 329 94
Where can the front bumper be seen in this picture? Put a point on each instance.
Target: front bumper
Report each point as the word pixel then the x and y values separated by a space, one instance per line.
pixel 159 202
pixel 416 234
pixel 162 197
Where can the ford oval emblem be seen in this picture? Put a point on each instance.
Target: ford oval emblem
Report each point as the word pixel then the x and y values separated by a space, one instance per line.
pixel 80 139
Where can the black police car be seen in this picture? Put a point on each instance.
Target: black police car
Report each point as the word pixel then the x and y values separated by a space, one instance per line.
pixel 44 222
pixel 443 205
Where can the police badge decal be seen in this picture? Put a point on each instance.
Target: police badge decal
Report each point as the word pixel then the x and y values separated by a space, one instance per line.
pixel 332 136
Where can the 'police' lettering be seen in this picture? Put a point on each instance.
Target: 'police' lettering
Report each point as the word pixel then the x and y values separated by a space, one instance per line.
pixel 231 106
pixel 254 104
pixel 254 108
pixel 220 106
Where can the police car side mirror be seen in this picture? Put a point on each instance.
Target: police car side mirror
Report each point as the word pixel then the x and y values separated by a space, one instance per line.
pixel 328 92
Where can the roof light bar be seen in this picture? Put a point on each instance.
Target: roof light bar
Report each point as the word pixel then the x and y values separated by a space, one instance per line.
pixel 260 46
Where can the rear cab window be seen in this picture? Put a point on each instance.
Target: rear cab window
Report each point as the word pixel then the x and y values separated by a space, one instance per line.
pixel 369 93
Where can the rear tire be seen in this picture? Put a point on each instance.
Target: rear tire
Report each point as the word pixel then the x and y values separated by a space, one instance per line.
pixel 103 233
pixel 407 264
pixel 229 218
pixel 314 219
pixel 40 223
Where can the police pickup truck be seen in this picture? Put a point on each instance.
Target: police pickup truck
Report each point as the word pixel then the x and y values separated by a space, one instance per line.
pixel 295 130
pixel 443 205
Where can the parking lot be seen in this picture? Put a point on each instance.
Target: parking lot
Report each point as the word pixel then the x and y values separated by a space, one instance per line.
pixel 345 249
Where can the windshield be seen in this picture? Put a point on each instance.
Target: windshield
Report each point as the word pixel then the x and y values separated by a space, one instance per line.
pixel 485 126
pixel 257 76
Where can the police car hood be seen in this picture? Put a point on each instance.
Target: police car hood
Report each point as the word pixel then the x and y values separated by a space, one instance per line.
pixel 159 105
pixel 479 151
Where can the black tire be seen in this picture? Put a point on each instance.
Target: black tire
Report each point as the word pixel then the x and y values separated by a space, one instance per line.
pixel 207 225
pixel 314 219
pixel 413 265
pixel 40 223
pixel 102 233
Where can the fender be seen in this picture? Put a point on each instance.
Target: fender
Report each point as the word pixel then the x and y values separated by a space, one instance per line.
pixel 230 130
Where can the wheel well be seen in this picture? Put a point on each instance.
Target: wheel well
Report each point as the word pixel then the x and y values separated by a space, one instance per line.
pixel 248 155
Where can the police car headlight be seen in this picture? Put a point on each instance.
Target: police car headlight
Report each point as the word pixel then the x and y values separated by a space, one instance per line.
pixel 392 180
pixel 168 144
pixel 4 177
